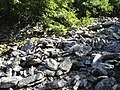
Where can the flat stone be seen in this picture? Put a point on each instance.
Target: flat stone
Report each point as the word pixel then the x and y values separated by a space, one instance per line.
pixel 95 27
pixel 105 84
pixel 116 87
pixel 30 62
pixel 107 24
pixel 17 68
pixel 52 64
pixel 9 82
pixel 59 73
pixel 76 86
pixel 85 84
pixel 80 50
pixel 28 46
pixel 56 84
pixel 30 79
pixel 49 73
pixel 66 65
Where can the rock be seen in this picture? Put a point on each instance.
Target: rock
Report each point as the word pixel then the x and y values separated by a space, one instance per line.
pixel 30 62
pixel 76 86
pixel 116 87
pixel 68 44
pixel 105 84
pixel 28 46
pixel 95 27
pixel 97 72
pixel 87 62
pixel 17 68
pixel 30 79
pixel 57 84
pixel 52 53
pixel 114 47
pixel 97 56
pixel 2 74
pixel 16 53
pixel 52 64
pixel 85 84
pixel 79 50
pixel 49 73
pixel 116 36
pixel 77 77
pixel 66 65
pixel 14 48
pixel 9 82
pixel 107 24
pixel 59 73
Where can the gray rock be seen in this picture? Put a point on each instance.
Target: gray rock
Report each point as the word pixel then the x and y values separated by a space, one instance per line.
pixel 17 68
pixel 66 65
pixel 98 72
pixel 16 53
pixel 80 50
pixel 30 62
pixel 56 84
pixel 95 27
pixel 116 36
pixel 76 86
pixel 68 44
pixel 96 58
pixel 59 73
pixel 30 79
pixel 114 47
pixel 52 52
pixel 105 84
pixel 2 74
pixel 52 64
pixel 49 73
pixel 77 77
pixel 116 87
pixel 14 48
pixel 107 24
pixel 103 65
pixel 28 47
pixel 85 84
pixel 9 82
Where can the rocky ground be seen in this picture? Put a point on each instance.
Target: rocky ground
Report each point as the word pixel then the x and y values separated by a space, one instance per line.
pixel 87 59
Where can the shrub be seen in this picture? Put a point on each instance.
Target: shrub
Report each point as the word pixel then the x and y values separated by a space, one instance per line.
pixel 56 16
pixel 116 7
pixel 95 7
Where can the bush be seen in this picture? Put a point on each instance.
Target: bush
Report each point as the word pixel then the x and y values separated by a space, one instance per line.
pixel 116 7
pixel 59 15
pixel 56 16
pixel 96 8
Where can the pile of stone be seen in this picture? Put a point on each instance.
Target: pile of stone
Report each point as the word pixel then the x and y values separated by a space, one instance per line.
pixel 87 59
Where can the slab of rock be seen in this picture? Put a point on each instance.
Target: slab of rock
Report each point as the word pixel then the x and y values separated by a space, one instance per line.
pixel 49 73
pixel 95 27
pixel 52 64
pixel 105 84
pixel 9 82
pixel 116 87
pixel 30 79
pixel 66 65
pixel 85 84
pixel 107 24
pixel 56 84
pixel 80 50
pixel 28 46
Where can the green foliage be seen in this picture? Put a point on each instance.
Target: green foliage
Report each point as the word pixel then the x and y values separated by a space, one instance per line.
pixel 95 7
pixel 59 16
pixel 56 16
pixel 116 7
